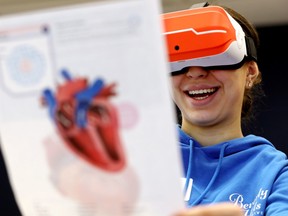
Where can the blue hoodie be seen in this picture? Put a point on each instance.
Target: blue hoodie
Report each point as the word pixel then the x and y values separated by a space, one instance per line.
pixel 247 171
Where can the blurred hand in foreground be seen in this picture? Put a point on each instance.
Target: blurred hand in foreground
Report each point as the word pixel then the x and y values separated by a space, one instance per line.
pixel 222 209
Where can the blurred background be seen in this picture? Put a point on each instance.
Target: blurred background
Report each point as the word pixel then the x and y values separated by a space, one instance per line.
pixel 260 12
pixel 271 20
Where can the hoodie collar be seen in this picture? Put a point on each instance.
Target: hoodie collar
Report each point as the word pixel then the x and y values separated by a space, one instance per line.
pixel 232 146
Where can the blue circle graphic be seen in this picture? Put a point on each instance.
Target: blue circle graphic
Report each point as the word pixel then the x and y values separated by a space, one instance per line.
pixel 26 65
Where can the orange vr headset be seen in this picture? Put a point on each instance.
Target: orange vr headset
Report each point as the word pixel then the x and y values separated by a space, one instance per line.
pixel 207 37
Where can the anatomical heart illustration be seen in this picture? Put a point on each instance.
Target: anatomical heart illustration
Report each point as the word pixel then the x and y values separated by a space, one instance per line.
pixel 87 121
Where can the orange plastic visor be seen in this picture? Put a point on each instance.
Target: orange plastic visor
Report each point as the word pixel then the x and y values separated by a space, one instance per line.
pixel 206 37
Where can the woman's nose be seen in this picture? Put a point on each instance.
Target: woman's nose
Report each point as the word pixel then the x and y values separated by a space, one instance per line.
pixel 196 72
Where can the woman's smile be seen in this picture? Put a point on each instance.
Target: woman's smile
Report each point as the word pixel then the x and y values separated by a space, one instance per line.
pixel 201 94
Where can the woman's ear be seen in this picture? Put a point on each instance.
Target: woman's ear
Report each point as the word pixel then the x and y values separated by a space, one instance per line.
pixel 252 73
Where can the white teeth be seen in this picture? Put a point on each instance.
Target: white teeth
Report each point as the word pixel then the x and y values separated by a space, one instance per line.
pixel 202 98
pixel 201 91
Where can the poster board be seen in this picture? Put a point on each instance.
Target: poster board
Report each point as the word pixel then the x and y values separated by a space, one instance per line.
pixel 86 119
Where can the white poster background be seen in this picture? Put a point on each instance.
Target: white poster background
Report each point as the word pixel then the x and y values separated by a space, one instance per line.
pixel 119 42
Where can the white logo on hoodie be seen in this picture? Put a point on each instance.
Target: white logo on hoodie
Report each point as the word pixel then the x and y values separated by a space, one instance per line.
pixel 257 207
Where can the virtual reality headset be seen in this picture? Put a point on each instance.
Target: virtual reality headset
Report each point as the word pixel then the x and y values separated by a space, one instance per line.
pixel 207 37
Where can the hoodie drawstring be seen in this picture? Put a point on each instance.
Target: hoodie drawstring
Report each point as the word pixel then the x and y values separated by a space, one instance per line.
pixel 189 168
pixel 215 175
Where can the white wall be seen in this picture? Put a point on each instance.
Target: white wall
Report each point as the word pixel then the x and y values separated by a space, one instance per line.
pixel 15 6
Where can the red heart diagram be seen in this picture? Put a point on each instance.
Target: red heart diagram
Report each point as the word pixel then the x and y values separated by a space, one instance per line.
pixel 87 121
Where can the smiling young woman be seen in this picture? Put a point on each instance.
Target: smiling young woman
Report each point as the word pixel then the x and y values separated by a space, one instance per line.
pixel 215 83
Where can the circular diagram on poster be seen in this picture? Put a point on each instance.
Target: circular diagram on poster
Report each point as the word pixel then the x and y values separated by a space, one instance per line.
pixel 26 65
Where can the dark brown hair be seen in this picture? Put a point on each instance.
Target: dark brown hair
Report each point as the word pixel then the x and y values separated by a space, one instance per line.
pixel 252 96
